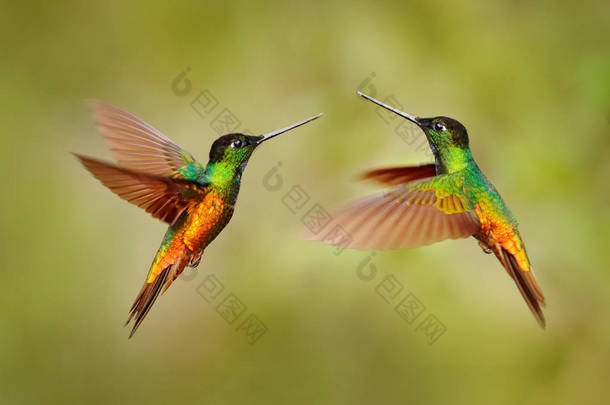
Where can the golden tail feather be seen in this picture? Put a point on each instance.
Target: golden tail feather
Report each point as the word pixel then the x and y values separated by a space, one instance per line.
pixel 526 282
pixel 151 290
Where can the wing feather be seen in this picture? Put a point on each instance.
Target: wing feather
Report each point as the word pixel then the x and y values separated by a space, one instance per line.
pixel 137 145
pixel 394 176
pixel 408 216
pixel 161 197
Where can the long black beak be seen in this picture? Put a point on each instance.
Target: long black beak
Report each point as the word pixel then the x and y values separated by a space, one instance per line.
pixel 390 108
pixel 270 135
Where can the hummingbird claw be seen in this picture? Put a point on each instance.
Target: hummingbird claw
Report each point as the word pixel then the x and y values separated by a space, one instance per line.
pixel 486 249
pixel 195 260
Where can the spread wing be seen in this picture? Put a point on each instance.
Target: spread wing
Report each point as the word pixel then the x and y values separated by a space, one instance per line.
pixel 164 198
pixel 408 216
pixel 138 146
pixel 152 172
pixel 394 176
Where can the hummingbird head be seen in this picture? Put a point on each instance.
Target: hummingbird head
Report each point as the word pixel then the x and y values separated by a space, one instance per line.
pixel 233 149
pixel 443 133
pixel 447 138
pixel 230 153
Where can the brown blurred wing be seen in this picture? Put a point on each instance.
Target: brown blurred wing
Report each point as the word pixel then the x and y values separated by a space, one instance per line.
pixel 137 145
pixel 405 218
pixel 162 197
pixel 394 176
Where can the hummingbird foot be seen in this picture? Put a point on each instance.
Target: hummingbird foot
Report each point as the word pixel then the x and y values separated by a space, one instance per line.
pixel 195 259
pixel 486 249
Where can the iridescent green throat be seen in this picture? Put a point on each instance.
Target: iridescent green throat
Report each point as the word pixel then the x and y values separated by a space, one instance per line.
pixel 224 175
pixel 453 159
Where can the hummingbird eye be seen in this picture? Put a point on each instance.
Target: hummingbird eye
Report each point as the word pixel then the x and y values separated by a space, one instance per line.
pixel 237 144
pixel 439 127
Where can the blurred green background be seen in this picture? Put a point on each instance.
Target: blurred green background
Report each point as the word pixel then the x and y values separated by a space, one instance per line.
pixel 530 80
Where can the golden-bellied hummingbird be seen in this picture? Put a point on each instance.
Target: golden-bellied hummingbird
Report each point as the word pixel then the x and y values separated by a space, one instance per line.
pixel 157 175
pixel 451 198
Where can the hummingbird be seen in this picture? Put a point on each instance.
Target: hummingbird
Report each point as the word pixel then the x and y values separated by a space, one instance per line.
pixel 450 198
pixel 154 173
